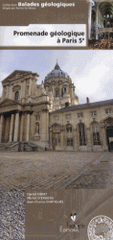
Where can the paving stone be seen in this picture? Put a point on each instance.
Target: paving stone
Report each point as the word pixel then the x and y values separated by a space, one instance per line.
pixel 54 169
pixel 12 204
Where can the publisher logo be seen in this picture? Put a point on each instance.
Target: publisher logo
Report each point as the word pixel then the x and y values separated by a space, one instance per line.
pixel 73 217
pixel 100 228
pixel 71 226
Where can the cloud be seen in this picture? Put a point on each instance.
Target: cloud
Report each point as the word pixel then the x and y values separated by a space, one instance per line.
pixel 91 83
pixel 92 73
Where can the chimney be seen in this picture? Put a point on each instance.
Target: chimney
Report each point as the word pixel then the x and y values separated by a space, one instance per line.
pixel 87 100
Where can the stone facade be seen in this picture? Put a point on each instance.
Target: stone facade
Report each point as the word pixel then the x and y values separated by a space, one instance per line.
pixel 49 115
pixel 83 127
pixel 24 108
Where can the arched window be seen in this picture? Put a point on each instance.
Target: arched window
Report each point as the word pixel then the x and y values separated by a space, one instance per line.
pixel 96 135
pixel 82 139
pixel 69 135
pixel 16 95
pixel 64 89
pixel 27 90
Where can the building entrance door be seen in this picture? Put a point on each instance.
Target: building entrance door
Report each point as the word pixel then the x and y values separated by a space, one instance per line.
pixel 56 140
pixel 109 133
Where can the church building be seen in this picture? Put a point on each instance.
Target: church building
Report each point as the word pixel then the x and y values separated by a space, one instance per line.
pixel 100 19
pixel 100 24
pixel 48 116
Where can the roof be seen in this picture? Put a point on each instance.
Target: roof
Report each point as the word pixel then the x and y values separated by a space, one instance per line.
pixel 57 72
pixel 85 106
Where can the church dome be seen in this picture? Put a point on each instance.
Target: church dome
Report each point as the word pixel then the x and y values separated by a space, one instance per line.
pixel 57 73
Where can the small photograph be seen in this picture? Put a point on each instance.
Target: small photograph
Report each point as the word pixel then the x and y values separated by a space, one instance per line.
pixel 56 119
pixel 100 24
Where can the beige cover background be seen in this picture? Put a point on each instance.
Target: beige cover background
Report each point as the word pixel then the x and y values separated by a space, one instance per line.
pixel 43 220
pixel 46 15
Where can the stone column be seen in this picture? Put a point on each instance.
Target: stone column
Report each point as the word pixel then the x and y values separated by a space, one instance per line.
pixel 30 84
pixel 75 138
pixel 21 128
pixel 103 137
pixel 1 127
pixel 51 143
pixel 21 89
pixel 20 93
pixel 24 90
pixel 47 89
pixel 53 88
pixel 67 89
pixel 28 127
pixel 97 12
pixel 44 127
pixel 10 91
pixel 88 139
pixel 61 142
pixel 72 91
pixel 89 19
pixel 16 129
pixel 60 93
pixel 11 128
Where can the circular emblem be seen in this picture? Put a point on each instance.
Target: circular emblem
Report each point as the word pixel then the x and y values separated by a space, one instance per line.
pixel 100 228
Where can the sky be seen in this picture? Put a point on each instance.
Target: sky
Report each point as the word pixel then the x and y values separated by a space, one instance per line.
pixel 90 71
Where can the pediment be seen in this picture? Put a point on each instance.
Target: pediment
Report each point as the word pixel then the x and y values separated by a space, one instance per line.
pixel 8 102
pixel 56 127
pixel 107 119
pixel 107 122
pixel 17 74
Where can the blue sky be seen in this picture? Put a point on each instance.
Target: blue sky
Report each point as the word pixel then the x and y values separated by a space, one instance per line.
pixel 91 71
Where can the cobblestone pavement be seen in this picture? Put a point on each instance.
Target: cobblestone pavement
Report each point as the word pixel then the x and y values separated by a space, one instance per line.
pixel 56 170
pixel 12 204
pixel 97 175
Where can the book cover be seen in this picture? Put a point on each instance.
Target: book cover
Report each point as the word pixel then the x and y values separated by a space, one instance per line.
pixel 56 119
